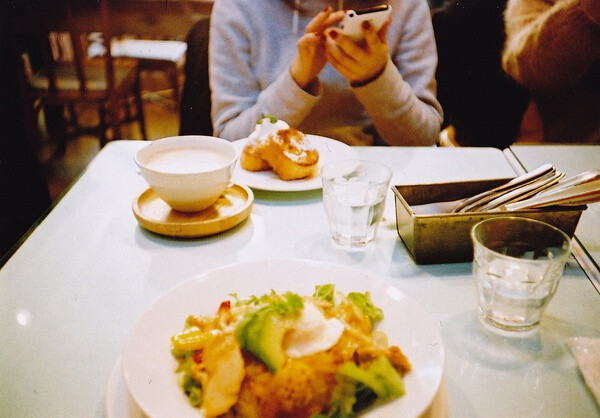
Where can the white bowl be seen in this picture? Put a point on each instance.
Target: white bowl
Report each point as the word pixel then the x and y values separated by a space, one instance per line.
pixel 188 172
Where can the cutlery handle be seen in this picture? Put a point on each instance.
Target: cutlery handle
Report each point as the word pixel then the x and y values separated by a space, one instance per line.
pixel 484 197
pixel 576 180
pixel 576 195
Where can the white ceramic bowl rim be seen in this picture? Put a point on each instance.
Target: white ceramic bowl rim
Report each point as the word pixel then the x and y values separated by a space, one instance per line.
pixel 182 142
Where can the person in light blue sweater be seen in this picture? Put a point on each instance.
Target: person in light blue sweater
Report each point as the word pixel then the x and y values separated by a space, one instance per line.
pixel 287 58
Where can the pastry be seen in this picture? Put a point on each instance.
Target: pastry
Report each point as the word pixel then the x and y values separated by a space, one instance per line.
pixel 274 145
pixel 290 154
pixel 250 159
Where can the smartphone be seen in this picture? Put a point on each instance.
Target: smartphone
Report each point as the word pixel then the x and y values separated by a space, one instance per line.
pixel 351 24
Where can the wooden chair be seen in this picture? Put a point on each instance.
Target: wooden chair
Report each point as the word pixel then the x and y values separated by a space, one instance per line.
pixel 153 33
pixel 167 56
pixel 65 77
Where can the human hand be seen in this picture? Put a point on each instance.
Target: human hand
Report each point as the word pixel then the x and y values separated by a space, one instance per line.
pixel 358 61
pixel 311 59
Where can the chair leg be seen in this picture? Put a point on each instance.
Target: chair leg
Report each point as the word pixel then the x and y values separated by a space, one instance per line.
pixel 140 106
pixel 56 128
pixel 31 115
pixel 175 83
pixel 103 126
pixel 73 115
pixel 114 121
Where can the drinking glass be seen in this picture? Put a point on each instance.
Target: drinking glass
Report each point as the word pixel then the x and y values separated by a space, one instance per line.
pixel 354 193
pixel 517 265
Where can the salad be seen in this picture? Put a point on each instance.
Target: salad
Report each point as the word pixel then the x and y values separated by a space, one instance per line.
pixel 289 355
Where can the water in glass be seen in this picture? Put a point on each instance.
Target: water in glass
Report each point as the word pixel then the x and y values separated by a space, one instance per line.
pixel 353 212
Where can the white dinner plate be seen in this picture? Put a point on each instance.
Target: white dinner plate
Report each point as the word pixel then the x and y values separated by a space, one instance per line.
pixel 149 368
pixel 329 150
pixel 117 401
pixel 119 404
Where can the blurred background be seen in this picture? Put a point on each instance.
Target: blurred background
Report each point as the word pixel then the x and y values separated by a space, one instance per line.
pixel 46 144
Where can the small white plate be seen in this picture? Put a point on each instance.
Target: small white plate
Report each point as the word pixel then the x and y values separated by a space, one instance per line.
pixel 329 150
pixel 149 368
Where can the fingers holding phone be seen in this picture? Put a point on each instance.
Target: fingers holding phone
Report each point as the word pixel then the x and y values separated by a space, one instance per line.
pixel 324 20
pixel 311 59
pixel 359 59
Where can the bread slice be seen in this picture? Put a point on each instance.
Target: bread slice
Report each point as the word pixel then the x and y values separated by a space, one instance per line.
pixel 251 160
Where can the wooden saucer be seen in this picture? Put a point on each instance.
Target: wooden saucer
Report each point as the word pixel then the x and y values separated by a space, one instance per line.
pixel 229 210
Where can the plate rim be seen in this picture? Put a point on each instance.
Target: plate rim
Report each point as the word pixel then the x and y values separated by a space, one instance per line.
pixel 293 185
pixel 375 281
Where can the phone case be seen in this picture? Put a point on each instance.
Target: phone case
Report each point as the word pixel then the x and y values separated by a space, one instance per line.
pixel 351 25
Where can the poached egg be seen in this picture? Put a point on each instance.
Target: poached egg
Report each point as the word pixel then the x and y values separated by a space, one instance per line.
pixel 312 333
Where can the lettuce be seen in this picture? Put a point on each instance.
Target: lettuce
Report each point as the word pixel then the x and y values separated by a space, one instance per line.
pixel 364 303
pixel 287 304
pixel 324 292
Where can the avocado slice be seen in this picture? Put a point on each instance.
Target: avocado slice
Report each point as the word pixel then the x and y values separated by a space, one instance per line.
pixel 261 333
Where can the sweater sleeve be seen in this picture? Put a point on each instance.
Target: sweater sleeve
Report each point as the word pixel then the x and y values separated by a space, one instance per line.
pixel 402 102
pixel 551 44
pixel 238 100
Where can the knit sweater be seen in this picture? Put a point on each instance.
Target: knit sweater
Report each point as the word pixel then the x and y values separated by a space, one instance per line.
pixel 553 48
pixel 252 43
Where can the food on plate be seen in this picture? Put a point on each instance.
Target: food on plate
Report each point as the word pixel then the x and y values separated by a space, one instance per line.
pixel 274 145
pixel 290 155
pixel 289 355
pixel 250 159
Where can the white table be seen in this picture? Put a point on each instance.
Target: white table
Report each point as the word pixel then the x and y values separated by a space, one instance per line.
pixel 572 160
pixel 73 290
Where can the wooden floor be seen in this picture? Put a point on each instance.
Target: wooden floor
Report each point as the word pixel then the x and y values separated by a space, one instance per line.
pixel 162 119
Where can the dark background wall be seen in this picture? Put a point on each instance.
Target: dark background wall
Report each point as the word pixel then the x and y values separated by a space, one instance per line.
pixel 24 194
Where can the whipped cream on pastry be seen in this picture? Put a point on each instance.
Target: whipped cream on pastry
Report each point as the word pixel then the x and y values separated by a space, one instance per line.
pixel 264 128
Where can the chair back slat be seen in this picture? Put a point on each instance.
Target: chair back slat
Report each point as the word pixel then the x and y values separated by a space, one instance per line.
pixel 77 48
pixel 48 62
pixel 79 58
pixel 107 36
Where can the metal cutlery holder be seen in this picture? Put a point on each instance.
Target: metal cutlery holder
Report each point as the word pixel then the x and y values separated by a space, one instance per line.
pixel 438 237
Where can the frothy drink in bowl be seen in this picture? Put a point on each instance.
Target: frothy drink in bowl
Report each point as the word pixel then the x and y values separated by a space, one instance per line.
pixel 182 161
pixel 517 266
pixel 188 172
pixel 354 193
